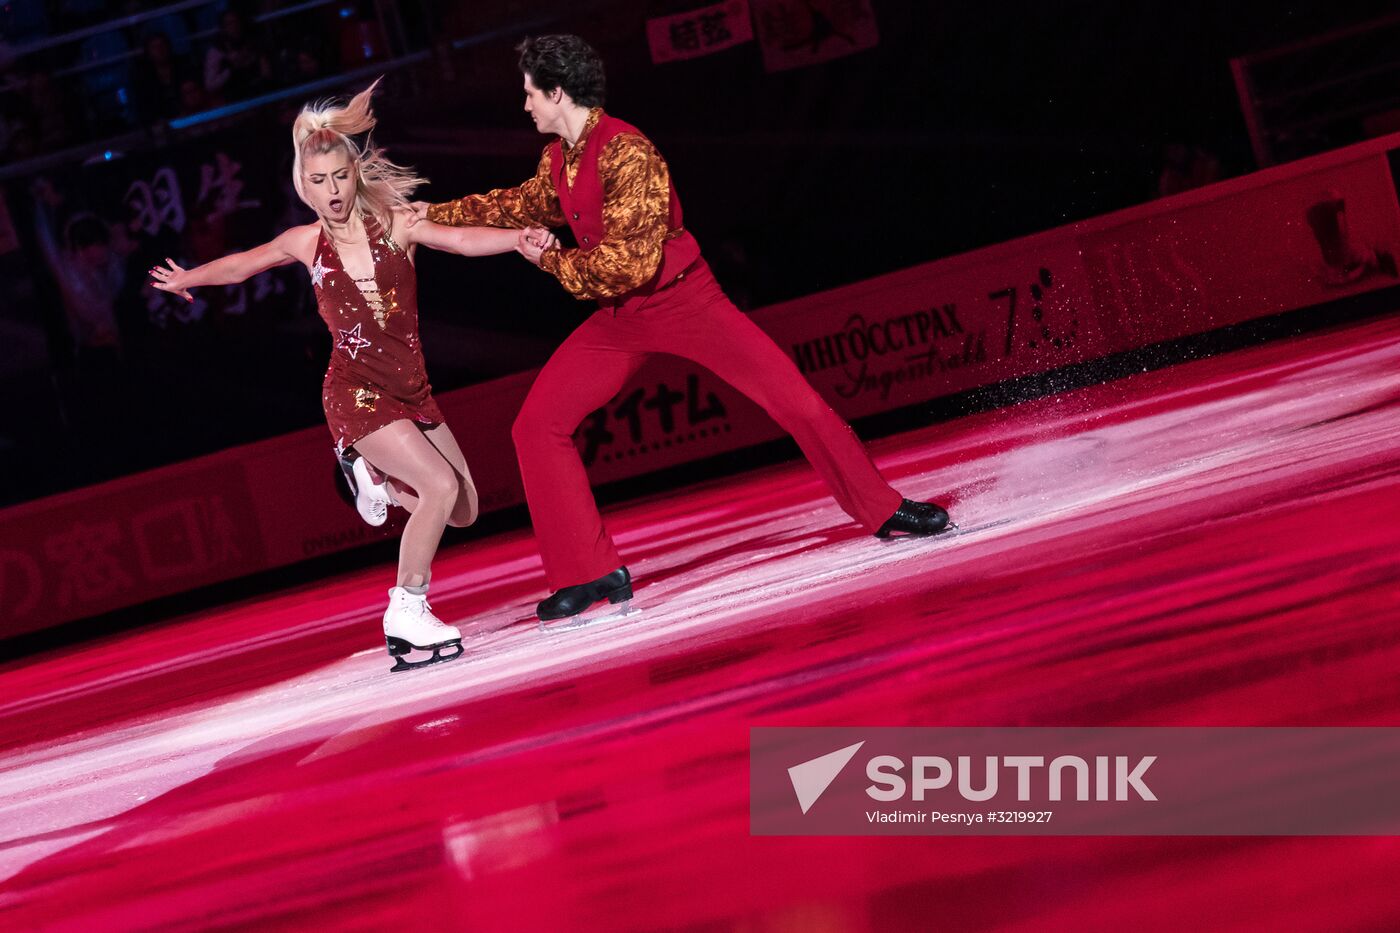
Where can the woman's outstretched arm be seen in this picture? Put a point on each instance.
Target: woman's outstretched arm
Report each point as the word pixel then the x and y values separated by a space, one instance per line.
pixel 466 241
pixel 291 246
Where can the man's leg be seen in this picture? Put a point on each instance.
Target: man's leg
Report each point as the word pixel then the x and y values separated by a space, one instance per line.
pixel 585 372
pixel 708 329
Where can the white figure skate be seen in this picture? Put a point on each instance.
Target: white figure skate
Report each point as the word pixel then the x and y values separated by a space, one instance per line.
pixel 409 626
pixel 371 499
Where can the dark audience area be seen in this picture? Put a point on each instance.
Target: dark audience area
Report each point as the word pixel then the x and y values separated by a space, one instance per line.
pixel 137 131
pixel 76 71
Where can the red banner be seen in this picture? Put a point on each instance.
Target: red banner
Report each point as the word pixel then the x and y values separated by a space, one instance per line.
pixel 1287 238
pixel 1226 256
pixel 795 33
pixel 699 32
pixel 125 542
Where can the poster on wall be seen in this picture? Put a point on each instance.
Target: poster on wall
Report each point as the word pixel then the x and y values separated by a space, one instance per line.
pixel 796 33
pixel 699 32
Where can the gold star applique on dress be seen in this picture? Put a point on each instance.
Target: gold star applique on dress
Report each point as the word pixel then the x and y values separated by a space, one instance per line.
pixel 366 399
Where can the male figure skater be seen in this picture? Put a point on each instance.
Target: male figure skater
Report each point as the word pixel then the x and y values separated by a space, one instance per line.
pixel 607 182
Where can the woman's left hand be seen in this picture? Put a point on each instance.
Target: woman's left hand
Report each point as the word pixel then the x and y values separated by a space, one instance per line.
pixel 171 280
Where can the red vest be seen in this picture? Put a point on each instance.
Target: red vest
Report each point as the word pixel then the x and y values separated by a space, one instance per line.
pixel 582 204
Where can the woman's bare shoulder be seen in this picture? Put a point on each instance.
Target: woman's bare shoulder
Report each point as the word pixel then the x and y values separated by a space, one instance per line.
pixel 400 227
pixel 301 241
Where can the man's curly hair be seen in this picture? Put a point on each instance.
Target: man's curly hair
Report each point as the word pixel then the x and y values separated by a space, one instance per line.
pixel 566 62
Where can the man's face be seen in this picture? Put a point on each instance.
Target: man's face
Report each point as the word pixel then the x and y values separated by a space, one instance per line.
pixel 543 108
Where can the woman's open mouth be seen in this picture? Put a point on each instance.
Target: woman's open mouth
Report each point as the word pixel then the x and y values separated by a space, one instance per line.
pixel 336 205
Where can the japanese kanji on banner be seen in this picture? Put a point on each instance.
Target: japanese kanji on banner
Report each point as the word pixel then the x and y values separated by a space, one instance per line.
pixel 794 33
pixel 699 32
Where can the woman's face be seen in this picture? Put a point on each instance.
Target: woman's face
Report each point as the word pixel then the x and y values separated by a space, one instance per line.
pixel 329 180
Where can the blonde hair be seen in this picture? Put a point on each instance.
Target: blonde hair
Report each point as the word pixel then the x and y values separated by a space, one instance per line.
pixel 323 127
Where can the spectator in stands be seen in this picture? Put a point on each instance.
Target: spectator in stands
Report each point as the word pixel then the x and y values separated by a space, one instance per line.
pixel 309 66
pixel 300 63
pixel 361 39
pixel 193 98
pixel 173 25
pixel 87 259
pixel 51 110
pixel 22 141
pixel 235 66
pixel 106 81
pixel 156 80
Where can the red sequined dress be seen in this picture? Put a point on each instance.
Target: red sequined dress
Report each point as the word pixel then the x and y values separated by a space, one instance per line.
pixel 376 374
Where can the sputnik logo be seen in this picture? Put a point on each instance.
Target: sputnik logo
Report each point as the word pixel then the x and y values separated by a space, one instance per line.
pixel 811 778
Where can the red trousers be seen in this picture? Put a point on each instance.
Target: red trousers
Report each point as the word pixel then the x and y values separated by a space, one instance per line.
pixel 693 319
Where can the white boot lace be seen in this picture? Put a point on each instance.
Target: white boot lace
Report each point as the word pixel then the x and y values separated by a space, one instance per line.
pixel 424 613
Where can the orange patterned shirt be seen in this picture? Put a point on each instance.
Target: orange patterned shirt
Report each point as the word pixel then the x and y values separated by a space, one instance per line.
pixel 636 213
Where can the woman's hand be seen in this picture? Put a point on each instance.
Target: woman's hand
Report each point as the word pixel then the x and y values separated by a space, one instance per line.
pixel 539 236
pixel 533 241
pixel 172 280
pixel 417 210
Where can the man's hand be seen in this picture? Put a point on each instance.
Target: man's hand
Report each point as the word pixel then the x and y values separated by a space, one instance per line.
pixel 533 241
pixel 419 211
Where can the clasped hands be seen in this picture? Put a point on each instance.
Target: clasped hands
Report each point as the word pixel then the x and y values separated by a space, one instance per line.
pixel 533 242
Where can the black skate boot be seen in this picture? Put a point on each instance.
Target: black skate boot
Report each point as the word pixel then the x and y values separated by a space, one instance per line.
pixel 615 587
pixel 916 518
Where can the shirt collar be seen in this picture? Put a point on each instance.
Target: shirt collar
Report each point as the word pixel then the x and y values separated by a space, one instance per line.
pixel 594 115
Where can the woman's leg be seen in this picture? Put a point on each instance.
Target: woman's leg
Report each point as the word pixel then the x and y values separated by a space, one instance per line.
pixel 401 451
pixel 441 437
pixel 466 511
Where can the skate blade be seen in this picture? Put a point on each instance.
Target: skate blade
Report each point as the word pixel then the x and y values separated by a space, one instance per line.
pixel 950 530
pixel 598 615
pixel 399 651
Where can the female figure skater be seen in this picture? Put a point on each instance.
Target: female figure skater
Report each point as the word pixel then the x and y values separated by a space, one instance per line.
pixel 376 393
